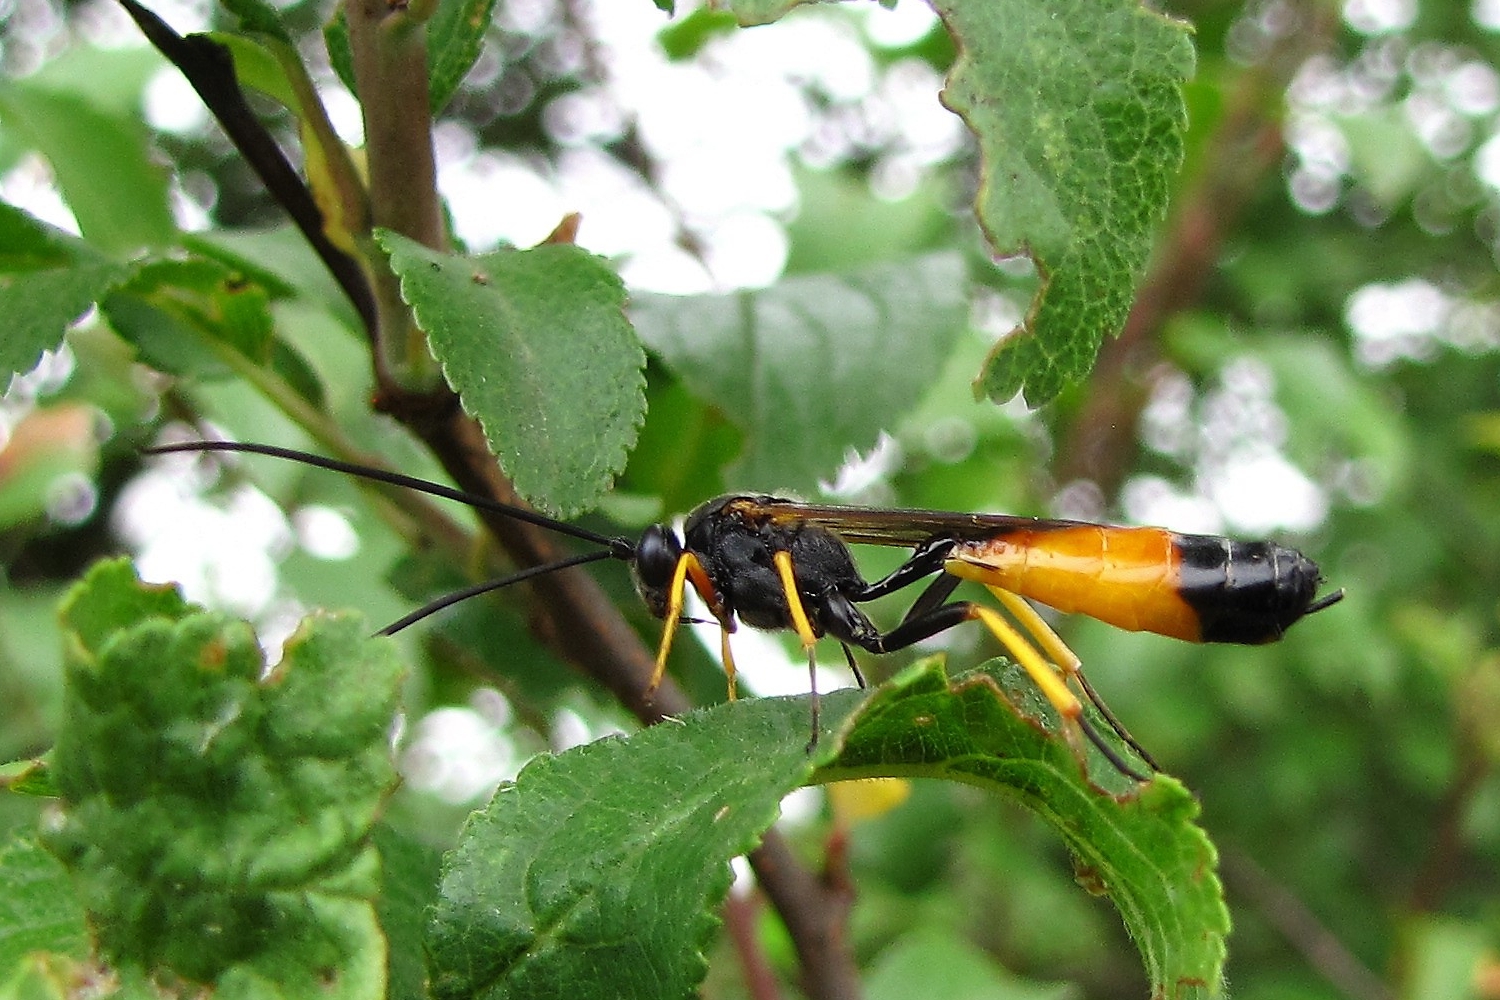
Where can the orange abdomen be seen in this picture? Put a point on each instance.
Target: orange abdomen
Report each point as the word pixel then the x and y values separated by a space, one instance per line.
pixel 1128 577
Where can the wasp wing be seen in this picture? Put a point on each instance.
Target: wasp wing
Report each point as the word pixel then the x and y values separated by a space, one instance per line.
pixel 890 525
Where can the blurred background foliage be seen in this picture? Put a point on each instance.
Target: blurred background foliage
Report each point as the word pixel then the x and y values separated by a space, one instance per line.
pixel 1313 356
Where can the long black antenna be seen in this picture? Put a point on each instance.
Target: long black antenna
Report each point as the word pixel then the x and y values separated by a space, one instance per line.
pixel 619 548
pixel 448 600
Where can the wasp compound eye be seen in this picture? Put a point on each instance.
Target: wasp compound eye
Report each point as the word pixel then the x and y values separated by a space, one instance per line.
pixel 656 558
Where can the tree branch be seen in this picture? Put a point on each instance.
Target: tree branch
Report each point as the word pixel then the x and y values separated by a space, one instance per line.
pixel 815 911
pixel 209 68
pixel 740 913
pixel 389 48
pixel 576 618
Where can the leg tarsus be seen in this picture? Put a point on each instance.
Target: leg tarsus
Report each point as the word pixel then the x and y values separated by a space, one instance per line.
pixel 727 655
pixel 1067 663
pixel 812 678
pixel 1118 727
pixel 859 677
pixel 1110 753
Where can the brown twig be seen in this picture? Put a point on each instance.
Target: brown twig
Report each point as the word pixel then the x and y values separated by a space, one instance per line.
pixel 576 618
pixel 740 913
pixel 815 912
pixel 1443 865
pixel 1302 929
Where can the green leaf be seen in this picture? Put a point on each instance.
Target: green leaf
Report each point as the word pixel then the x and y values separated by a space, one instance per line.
pixel 1140 848
pixel 200 317
pixel 80 70
pixel 259 17
pixel 280 261
pixel 230 248
pixel 193 308
pixel 455 36
pixel 683 38
pixel 256 68
pixel 598 872
pixel 1078 108
pixel 816 365
pixel 936 964
pixel 47 280
pixel 842 224
pixel 537 346
pixel 218 815
pixel 38 910
pixel 28 777
pixel 102 163
pixel 751 12
pixel 409 876
pixel 340 55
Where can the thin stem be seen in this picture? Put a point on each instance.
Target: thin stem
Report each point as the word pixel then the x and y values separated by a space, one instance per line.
pixel 1303 930
pixel 741 911
pixel 578 620
pixel 390 71
pixel 814 912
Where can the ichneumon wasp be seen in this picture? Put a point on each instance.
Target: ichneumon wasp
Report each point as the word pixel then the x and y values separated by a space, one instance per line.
pixel 780 564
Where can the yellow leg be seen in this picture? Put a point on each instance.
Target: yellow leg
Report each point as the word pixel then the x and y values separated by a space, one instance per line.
pixel 1057 651
pixel 727 655
pixel 675 597
pixel 1042 673
pixel 800 622
pixel 783 563
pixel 1067 662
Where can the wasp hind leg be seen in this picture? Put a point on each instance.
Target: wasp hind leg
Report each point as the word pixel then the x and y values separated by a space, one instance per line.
pixel 1068 664
pixel 1049 678
pixel 929 616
